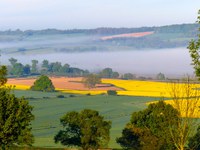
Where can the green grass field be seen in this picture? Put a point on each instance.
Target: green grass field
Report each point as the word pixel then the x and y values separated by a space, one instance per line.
pixel 48 109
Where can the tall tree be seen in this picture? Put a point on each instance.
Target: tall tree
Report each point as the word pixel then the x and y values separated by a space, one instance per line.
pixel 13 61
pixel 15 117
pixel 155 122
pixel 18 69
pixel 185 99
pixel 27 69
pixel 34 69
pixel 3 74
pixel 86 129
pixel 160 76
pixel 194 47
pixel 91 80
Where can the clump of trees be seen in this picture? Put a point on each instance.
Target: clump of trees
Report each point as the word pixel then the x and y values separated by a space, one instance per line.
pixel 15 116
pixel 86 129
pixel 129 76
pixel 44 84
pixel 91 80
pixel 49 68
pixel 150 128
pixel 108 73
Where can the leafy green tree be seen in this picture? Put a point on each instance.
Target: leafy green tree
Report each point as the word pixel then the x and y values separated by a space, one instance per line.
pixel 45 66
pixel 15 117
pixel 56 67
pixel 65 68
pixel 27 69
pixel 106 73
pixel 129 76
pixel 34 69
pixel 43 84
pixel 185 99
pixel 160 76
pixel 194 51
pixel 91 80
pixel 86 129
pixel 158 120
pixel 13 61
pixel 18 69
pixel 194 141
pixel 115 75
pixel 3 74
pixel 134 138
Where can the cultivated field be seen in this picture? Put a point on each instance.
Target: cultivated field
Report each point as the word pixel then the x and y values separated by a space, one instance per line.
pixel 61 83
pixel 132 96
pixel 48 109
pixel 128 35
pixel 123 87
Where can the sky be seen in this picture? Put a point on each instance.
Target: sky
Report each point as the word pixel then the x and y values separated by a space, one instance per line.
pixel 85 14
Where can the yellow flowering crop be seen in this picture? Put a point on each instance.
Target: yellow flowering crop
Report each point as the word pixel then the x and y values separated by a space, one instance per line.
pixel 140 88
pixel 187 108
pixel 81 91
pixel 20 87
pixel 129 87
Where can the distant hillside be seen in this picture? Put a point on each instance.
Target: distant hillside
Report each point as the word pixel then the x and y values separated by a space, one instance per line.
pixel 100 39
pixel 127 35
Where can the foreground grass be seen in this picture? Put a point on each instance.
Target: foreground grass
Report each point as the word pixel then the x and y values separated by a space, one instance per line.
pixel 48 109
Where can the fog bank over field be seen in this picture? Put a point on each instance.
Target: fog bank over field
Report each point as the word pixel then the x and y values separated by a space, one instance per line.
pixel 172 62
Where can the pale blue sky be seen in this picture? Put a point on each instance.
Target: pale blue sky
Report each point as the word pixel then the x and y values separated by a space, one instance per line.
pixel 70 14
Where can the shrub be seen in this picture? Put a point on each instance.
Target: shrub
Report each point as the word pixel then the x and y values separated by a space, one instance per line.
pixel 88 94
pixel 71 95
pixel 60 96
pixel 112 92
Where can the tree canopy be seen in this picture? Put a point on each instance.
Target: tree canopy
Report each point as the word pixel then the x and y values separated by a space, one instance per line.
pixel 194 47
pixel 86 129
pixel 150 128
pixel 91 80
pixel 15 117
pixel 43 84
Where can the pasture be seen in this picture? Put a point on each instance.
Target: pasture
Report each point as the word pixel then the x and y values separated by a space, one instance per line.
pixel 132 96
pixel 48 109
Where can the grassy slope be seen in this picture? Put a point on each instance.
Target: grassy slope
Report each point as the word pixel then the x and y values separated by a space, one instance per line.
pixel 48 109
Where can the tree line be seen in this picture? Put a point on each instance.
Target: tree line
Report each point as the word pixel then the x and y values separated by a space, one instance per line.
pixel 181 28
pixel 17 69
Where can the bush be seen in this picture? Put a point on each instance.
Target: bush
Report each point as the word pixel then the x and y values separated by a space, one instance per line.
pixel 60 96
pixel 112 92
pixel 71 95
pixel 88 94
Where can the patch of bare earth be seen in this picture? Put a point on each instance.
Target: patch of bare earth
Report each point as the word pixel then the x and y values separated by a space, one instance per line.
pixel 63 83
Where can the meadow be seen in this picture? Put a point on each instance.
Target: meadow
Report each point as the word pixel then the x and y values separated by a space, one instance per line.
pixel 48 109
pixel 133 95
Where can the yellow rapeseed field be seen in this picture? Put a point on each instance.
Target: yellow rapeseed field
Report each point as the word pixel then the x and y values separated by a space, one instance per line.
pixel 129 87
pixel 140 88
pixel 91 92
pixel 185 106
pixel 19 87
